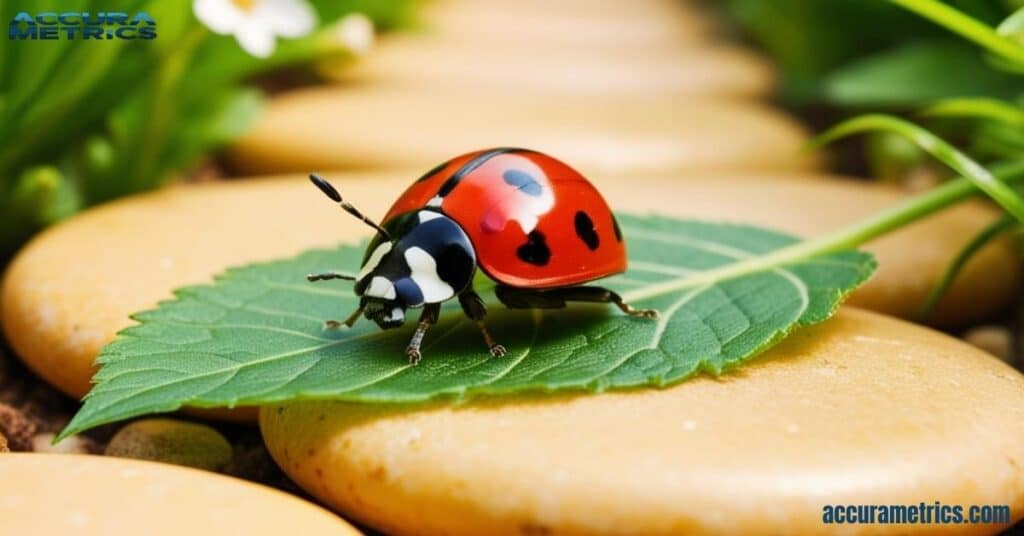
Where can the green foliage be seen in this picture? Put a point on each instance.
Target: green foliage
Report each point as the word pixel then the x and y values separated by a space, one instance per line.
pixel 819 45
pixel 83 122
pixel 725 293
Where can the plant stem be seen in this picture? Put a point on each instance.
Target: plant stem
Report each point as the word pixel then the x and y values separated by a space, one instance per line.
pixel 845 238
pixel 968 27
pixel 987 234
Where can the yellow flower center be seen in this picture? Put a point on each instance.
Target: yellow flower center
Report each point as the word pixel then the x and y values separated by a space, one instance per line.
pixel 244 5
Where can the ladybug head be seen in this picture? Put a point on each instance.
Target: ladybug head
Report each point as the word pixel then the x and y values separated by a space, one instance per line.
pixel 429 260
pixel 416 258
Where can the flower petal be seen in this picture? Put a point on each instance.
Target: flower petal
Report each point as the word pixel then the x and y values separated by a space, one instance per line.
pixel 256 38
pixel 287 18
pixel 220 16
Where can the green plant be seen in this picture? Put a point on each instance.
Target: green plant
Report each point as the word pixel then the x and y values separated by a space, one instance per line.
pixel 82 122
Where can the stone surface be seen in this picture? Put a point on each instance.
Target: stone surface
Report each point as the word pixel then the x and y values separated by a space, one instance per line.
pixel 70 290
pixel 172 441
pixel 429 65
pixel 863 409
pixel 74 494
pixel 330 128
pixel 536 26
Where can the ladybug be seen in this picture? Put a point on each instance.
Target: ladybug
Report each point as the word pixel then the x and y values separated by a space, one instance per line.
pixel 533 224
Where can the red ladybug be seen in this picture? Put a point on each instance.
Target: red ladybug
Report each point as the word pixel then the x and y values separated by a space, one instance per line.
pixel 530 222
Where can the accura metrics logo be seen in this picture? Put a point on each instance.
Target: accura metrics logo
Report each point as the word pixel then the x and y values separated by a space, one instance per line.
pixel 75 25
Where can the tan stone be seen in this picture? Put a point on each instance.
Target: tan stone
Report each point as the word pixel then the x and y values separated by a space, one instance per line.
pixel 172 441
pixel 429 65
pixel 74 494
pixel 864 409
pixel 544 26
pixel 70 290
pixel 342 128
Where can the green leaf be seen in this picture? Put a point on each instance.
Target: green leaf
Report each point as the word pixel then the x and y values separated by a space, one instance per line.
pixel 725 293
pixel 916 74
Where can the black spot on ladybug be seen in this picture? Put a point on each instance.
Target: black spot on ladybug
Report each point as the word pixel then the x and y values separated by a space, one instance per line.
pixel 523 181
pixel 535 251
pixel 585 230
pixel 433 171
pixel 616 228
pixel 470 166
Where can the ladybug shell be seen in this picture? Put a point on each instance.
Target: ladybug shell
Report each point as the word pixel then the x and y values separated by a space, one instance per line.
pixel 534 221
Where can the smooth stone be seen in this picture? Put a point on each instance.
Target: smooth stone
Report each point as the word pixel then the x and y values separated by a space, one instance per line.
pixel 75 494
pixel 172 441
pixel 63 297
pixel 863 409
pixel 543 26
pixel 334 128
pixel 431 65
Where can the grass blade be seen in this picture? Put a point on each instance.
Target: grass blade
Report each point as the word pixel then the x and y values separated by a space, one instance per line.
pixel 967 26
pixel 973 246
pixel 1002 194
pixel 977 107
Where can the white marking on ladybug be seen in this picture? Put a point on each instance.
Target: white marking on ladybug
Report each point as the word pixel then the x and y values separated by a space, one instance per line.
pixel 423 270
pixel 374 260
pixel 380 287
pixel 435 201
pixel 396 314
pixel 427 215
pixel 521 207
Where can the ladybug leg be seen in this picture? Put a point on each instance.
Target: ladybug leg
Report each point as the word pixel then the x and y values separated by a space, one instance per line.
pixel 427 319
pixel 475 309
pixel 556 298
pixel 334 324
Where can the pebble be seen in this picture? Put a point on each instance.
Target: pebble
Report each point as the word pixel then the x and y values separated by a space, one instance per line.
pixel 863 409
pixel 76 494
pixel 58 314
pixel 334 128
pixel 43 443
pixel 172 441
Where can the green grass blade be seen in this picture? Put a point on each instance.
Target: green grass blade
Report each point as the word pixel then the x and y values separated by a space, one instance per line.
pixel 973 246
pixel 967 26
pixel 937 147
pixel 977 107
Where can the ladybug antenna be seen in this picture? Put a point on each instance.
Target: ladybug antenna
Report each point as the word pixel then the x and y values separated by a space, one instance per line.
pixel 331 192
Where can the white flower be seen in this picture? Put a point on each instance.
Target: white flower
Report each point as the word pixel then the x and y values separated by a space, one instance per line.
pixel 256 23
pixel 355 31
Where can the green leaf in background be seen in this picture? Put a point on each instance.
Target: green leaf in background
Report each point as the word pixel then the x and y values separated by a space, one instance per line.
pixel 725 293
pixel 917 74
